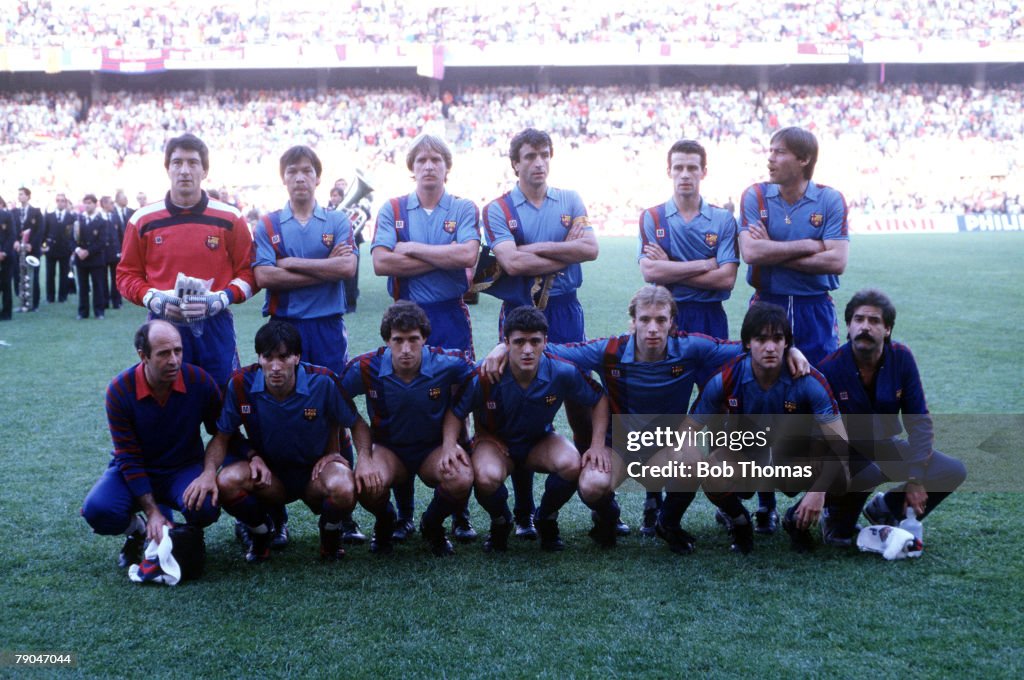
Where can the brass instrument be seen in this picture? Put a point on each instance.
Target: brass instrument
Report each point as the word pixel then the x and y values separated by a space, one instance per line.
pixel 26 263
pixel 357 214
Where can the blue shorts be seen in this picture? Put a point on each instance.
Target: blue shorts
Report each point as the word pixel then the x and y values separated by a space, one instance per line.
pixel 295 479
pixel 110 504
pixel 702 317
pixel 565 319
pixel 412 457
pixel 814 322
pixel 324 340
pixel 450 326
pixel 215 349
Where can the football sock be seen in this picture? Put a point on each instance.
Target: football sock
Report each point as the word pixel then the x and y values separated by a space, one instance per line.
pixel 673 507
pixel 607 509
pixel 557 492
pixel 405 495
pixel 496 504
pixel 731 505
pixel 331 515
pixel 247 509
pixel 765 500
pixel 522 487
pixel 441 505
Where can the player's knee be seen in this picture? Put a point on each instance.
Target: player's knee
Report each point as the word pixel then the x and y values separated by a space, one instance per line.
pixel 340 487
pixel 458 482
pixel 103 517
pixel 594 485
pixel 203 516
pixel 487 478
pixel 234 480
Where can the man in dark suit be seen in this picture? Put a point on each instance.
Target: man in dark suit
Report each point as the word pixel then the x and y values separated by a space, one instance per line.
pixel 58 243
pixel 91 236
pixel 8 260
pixel 118 215
pixel 28 223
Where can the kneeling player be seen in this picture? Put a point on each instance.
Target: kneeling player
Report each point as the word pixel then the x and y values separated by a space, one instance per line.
pixel 409 390
pixel 512 419
pixel 758 397
pixel 293 413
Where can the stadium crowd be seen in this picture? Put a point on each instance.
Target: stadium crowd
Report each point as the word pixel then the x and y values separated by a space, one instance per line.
pixel 894 148
pixel 79 23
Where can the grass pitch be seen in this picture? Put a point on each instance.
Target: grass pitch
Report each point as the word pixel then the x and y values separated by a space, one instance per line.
pixel 637 610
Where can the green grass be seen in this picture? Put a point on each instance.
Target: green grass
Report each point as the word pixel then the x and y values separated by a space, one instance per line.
pixel 635 610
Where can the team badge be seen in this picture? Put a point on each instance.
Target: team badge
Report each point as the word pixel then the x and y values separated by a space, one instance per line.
pixel 449 226
pixel 212 242
pixel 246 409
pixel 659 233
pixel 434 393
pixel 513 224
pixel 399 224
pixel 677 371
pixel 790 406
pixel 711 240
pixel 550 400
pixel 373 394
pixel 158 240
pixel 275 239
pixel 566 220
pixel 309 413
pixel 817 219
pixel 616 373
pixel 844 396
pixel 733 402
pixel 327 240
pixel 492 406
pixel 764 215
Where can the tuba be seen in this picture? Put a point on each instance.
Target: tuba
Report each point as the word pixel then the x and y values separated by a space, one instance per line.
pixel 353 204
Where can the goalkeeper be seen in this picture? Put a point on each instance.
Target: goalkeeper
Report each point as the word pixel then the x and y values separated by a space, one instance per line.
pixel 188 235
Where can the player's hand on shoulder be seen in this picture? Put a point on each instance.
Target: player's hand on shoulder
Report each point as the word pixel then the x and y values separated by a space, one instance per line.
pixel 797 363
pixel 494 363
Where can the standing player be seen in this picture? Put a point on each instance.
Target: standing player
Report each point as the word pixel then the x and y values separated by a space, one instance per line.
pixel 424 242
pixel 191 234
pixel 303 256
pixel 875 380
pixel 538 230
pixel 8 261
pixel 756 394
pixel 689 246
pixel 293 413
pixel 155 410
pixel 410 389
pixel 794 238
pixel 512 423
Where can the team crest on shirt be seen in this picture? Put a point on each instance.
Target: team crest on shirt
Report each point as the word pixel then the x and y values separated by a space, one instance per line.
pixel 566 220
pixel 309 413
pixel 711 239
pixel 158 240
pixel 449 226
pixel 513 225
pixel 399 224
pixel 616 373
pixel 844 396
pixel 659 232
pixel 764 214
pixel 212 242
pixel 434 393
pixel 677 371
pixel 275 239
pixel 790 406
pixel 734 402
pixel 373 394
pixel 550 400
pixel 492 405
pixel 327 240
pixel 246 409
pixel 817 219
